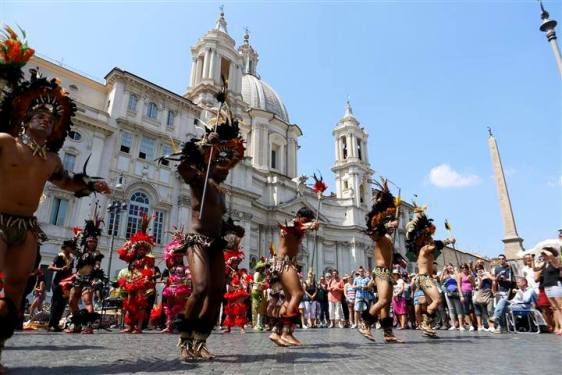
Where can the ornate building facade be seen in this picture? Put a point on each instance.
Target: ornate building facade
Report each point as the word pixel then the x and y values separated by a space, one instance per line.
pixel 127 122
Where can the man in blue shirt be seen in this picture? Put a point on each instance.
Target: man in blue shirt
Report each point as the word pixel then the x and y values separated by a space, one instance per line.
pixel 361 293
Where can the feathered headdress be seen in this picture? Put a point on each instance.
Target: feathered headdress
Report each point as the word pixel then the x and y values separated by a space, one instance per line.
pixel 14 54
pixel 141 237
pixel 138 240
pixel 418 230
pixel 38 93
pixel 319 185
pixel 174 251
pixel 92 229
pixel 382 211
pixel 222 136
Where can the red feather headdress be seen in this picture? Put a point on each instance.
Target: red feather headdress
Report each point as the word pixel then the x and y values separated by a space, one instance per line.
pixel 319 185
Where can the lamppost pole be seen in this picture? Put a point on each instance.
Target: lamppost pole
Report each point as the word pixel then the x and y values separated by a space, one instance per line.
pixel 548 26
pixel 115 209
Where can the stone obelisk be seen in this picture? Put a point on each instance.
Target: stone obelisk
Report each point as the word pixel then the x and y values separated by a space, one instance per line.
pixel 512 241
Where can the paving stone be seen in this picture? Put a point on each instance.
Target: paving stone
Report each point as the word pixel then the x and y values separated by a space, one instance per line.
pixel 325 352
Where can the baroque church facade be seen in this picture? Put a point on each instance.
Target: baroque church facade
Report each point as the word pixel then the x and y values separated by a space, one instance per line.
pixel 126 122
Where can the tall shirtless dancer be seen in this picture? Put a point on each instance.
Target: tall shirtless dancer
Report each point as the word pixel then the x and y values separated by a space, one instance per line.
pixel 35 117
pixel 381 223
pixel 420 244
pixel 285 265
pixel 204 244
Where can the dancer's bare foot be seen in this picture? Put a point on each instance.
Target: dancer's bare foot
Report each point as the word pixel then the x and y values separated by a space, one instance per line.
pixel 227 330
pixel 187 355
pixel 203 353
pixel 290 339
pixel 365 330
pixel 166 330
pixel 391 339
pixel 242 330
pixel 277 340
pixel 126 330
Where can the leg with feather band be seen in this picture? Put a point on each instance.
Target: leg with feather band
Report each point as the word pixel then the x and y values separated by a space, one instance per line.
pixel 365 326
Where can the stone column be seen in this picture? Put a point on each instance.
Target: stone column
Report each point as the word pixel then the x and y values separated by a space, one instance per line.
pixel 193 72
pixel 512 242
pixel 212 65
pixel 354 141
pixel 206 65
pixel 199 70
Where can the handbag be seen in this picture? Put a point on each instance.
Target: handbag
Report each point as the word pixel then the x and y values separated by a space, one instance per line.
pixel 453 293
pixel 483 296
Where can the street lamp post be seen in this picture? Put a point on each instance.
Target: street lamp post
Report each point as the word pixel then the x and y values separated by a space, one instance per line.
pixel 114 208
pixel 547 26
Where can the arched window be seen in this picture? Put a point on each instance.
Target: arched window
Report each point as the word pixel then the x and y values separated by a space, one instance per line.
pixel 343 141
pixel 170 119
pixel 133 100
pixel 138 205
pixel 152 110
pixel 362 194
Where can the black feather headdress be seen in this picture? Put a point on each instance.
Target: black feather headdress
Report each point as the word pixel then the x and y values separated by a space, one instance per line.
pixel 418 230
pixel 382 211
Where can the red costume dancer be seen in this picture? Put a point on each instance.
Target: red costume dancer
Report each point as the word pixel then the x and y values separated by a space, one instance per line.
pixel 178 285
pixel 139 278
pixel 235 309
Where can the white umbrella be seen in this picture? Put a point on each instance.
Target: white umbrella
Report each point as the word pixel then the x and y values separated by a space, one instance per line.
pixel 555 243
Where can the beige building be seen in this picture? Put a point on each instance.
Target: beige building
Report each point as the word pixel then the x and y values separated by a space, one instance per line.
pixel 126 122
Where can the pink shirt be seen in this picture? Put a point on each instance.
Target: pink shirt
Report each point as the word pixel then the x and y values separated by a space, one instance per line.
pixel 335 295
pixel 466 286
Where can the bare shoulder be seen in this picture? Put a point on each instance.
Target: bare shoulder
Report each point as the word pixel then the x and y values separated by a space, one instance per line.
pixel 6 139
pixel 54 162
pixel 6 142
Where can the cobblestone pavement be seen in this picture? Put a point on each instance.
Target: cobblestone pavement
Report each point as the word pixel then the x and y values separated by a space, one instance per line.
pixel 325 351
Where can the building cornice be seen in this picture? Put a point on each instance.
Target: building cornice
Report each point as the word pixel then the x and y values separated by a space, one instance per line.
pixel 130 78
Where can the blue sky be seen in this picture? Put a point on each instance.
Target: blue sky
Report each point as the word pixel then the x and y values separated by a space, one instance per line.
pixel 425 79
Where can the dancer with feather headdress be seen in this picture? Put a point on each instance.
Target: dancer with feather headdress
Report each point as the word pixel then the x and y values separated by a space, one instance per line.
pixel 204 166
pixel 88 274
pixel 137 282
pixel 285 269
pixel 382 221
pixel 35 117
pixel 422 248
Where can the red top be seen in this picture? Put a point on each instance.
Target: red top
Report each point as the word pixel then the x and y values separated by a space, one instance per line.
pixel 335 295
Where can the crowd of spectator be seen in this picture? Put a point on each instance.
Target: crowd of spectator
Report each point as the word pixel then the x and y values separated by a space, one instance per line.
pixel 476 296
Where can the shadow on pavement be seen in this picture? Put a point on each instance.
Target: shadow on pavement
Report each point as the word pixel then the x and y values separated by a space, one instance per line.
pixel 285 357
pixel 343 344
pixel 119 367
pixel 54 347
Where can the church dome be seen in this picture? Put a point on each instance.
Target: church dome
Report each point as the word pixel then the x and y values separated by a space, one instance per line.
pixel 258 94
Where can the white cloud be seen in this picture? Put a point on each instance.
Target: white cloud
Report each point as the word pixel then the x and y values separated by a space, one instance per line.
pixel 554 182
pixel 444 176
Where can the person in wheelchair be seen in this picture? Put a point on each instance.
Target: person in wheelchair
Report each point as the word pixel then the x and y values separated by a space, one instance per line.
pixel 522 301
